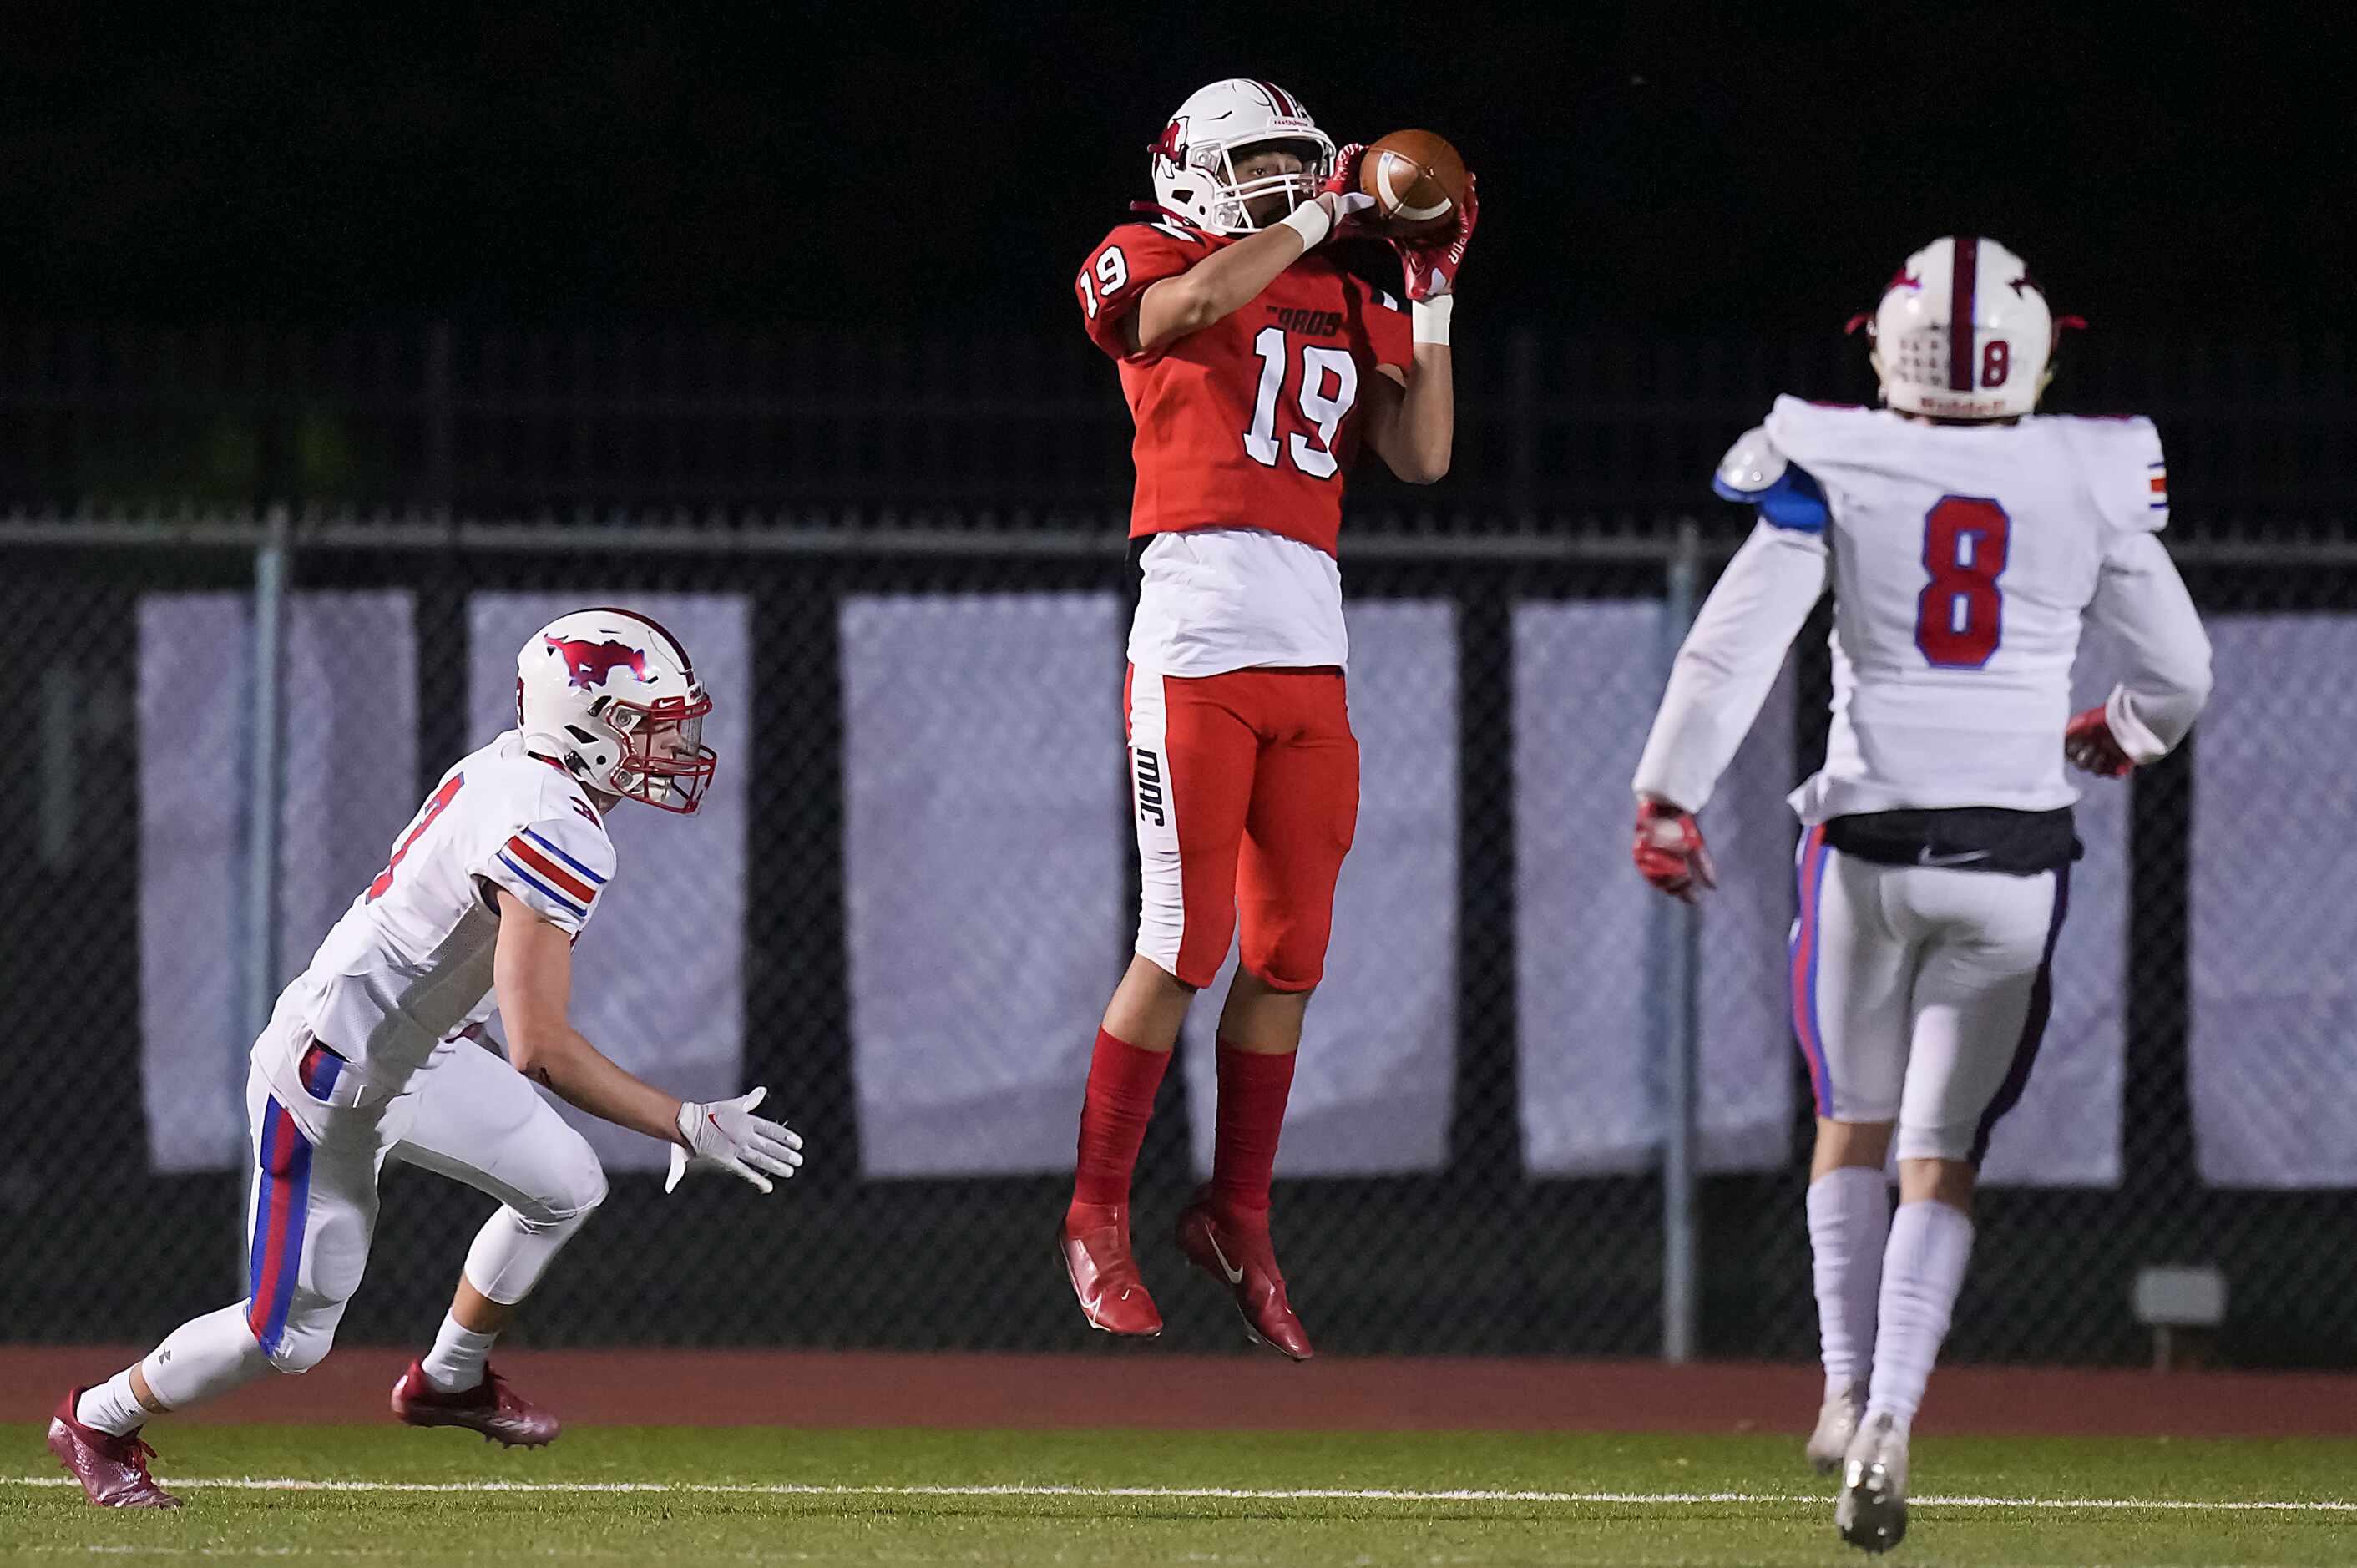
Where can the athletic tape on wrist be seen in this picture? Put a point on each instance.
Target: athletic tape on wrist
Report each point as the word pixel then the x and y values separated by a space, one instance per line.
pixel 1310 221
pixel 1429 318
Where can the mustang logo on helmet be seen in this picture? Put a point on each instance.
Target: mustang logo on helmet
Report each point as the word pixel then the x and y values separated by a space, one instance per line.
pixel 591 664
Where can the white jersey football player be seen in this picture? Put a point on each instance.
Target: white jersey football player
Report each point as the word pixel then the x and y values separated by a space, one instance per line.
pixel 1966 540
pixel 375 1053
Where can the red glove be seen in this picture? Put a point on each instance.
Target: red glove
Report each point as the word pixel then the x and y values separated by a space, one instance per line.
pixel 1670 852
pixel 1350 206
pixel 2089 746
pixel 1431 262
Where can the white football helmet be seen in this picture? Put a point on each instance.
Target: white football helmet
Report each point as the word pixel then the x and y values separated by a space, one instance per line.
pixel 1962 332
pixel 1194 162
pixel 612 697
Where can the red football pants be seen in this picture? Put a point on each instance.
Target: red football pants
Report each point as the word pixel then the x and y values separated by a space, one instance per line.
pixel 1246 788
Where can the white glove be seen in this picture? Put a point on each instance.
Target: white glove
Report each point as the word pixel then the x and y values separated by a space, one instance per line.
pixel 726 1135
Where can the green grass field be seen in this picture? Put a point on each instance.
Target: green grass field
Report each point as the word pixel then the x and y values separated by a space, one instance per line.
pixel 759 1495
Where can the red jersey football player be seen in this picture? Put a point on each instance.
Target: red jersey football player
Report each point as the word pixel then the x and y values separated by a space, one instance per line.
pixel 1254 367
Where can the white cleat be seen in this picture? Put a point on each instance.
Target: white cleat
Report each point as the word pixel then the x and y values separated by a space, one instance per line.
pixel 1837 1422
pixel 1872 1512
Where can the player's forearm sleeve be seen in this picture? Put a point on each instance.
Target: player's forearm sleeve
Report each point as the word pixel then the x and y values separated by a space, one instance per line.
pixel 2143 601
pixel 1728 663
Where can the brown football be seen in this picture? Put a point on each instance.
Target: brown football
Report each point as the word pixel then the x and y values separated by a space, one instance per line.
pixel 1416 180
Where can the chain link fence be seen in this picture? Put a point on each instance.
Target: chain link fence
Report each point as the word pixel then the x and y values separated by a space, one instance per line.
pixel 1501 691
pixel 1007 433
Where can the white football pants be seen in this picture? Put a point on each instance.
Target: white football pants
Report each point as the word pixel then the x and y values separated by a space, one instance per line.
pixel 1920 993
pixel 469 1115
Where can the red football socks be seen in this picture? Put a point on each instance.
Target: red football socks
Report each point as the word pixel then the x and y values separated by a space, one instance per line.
pixel 1122 1081
pixel 1254 1088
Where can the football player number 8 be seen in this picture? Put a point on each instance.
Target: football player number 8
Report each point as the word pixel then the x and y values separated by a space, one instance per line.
pixel 1330 385
pixel 1959 614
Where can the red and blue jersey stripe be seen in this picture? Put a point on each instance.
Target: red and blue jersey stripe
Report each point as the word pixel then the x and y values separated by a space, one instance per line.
pixel 549 871
pixel 281 1201
pixel 1805 1027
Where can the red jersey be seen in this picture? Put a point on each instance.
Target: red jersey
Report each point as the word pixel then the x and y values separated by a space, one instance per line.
pixel 1250 422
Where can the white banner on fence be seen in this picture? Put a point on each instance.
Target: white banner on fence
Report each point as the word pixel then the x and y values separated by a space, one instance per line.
pixel 1374 1087
pixel 2272 1055
pixel 1588 676
pixel 2066 1130
pixel 350 751
pixel 986 852
pixel 1587 679
pixel 658 976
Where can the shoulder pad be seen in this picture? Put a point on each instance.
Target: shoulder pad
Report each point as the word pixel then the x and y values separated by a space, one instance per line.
pixel 1755 472
pixel 1750 466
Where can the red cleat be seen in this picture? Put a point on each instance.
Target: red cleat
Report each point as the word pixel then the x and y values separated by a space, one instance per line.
pixel 1240 1256
pixel 490 1407
pixel 1094 1242
pixel 112 1470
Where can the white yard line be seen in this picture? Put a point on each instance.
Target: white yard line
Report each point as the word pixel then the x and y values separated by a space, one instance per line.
pixel 1208 1494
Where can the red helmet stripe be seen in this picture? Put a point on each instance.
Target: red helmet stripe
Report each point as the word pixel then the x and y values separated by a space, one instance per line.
pixel 1278 101
pixel 1960 312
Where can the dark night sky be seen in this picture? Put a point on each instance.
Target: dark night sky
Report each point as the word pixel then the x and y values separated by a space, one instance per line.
pixel 1676 167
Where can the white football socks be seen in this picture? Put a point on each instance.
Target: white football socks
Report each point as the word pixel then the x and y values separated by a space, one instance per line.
pixel 1849 1223
pixel 110 1407
pixel 202 1360
pixel 456 1362
pixel 1922 1269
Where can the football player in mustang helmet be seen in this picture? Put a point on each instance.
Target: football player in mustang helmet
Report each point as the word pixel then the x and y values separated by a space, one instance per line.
pixel 1256 367
pixel 1967 539
pixel 375 1052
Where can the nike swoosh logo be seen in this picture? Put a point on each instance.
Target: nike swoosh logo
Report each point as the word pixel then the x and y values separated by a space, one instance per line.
pixel 1235 1275
pixel 1925 857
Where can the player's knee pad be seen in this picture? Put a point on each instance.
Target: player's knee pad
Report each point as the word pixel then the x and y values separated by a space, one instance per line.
pixel 584 1192
pixel 303 1343
pixel 577 1187
pixel 1287 954
pixel 1189 945
pixel 301 1280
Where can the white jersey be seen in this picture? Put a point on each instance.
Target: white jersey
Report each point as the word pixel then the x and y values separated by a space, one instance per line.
pixel 1964 560
pixel 408 967
pixel 1216 599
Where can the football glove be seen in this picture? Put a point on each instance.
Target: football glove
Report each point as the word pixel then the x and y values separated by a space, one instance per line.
pixel 2089 746
pixel 1351 206
pixel 1431 262
pixel 1670 853
pixel 726 1135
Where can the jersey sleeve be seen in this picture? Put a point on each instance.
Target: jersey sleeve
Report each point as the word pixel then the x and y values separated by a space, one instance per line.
pixel 1126 263
pixel 1390 332
pixel 1728 663
pixel 559 866
pixel 2126 478
pixel 2142 601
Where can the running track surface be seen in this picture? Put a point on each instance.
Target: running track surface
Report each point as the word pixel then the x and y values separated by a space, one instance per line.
pixel 1183 1392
